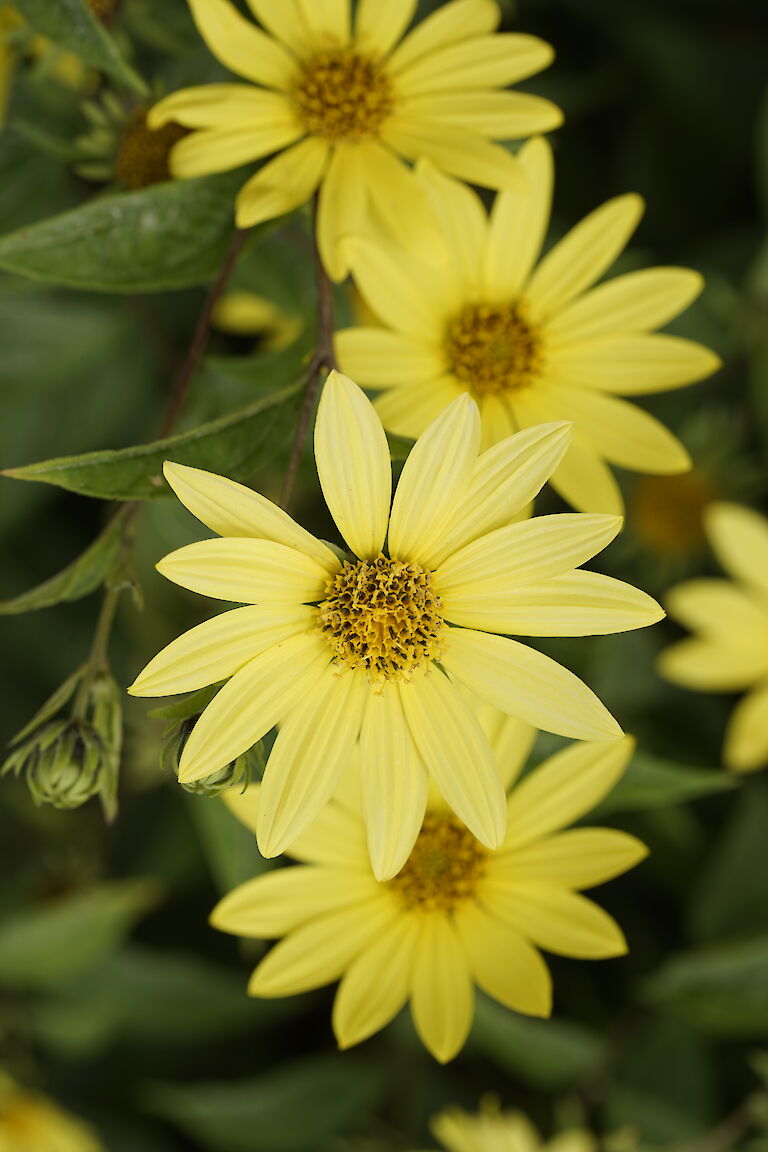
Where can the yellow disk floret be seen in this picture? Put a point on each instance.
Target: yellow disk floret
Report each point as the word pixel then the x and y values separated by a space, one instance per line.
pixel 444 868
pixel 344 95
pixel 493 348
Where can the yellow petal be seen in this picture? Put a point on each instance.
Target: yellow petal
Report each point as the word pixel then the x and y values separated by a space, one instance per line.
pixel 376 984
pixel 281 901
pixel 583 254
pixel 713 664
pixel 283 19
pixel 319 952
pixel 393 782
pixel 579 858
pixel 503 964
pixel 231 509
pixel 457 754
pixel 436 473
pixel 283 184
pixel 746 739
pixel 462 153
pixel 310 752
pixel 631 365
pixel 557 920
pixel 461 217
pixel 527 684
pixel 401 204
pixel 636 302
pixel 478 62
pixel 223 106
pixel 405 294
pixel 353 464
pixel 505 479
pixel 721 609
pixel 218 150
pixel 496 421
pixel 450 24
pixel 335 837
pixel 739 537
pixel 242 47
pixel 378 27
pixel 376 357
pixel 247 571
pixel 498 115
pixel 252 702
pixel 510 738
pixel 409 410
pixel 518 224
pixel 327 21
pixel 564 788
pixel 218 648
pixel 342 207
pixel 577 604
pixel 442 997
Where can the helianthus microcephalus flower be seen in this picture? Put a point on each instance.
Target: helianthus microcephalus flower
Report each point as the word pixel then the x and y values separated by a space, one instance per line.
pixel 730 652
pixel 343 106
pixel 494 1130
pixel 372 646
pixel 531 342
pixel 455 916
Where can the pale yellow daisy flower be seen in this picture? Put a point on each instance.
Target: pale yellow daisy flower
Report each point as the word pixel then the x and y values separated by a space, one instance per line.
pixel 730 651
pixel 345 103
pixel 372 646
pixel 491 1130
pixel 457 915
pixel 529 341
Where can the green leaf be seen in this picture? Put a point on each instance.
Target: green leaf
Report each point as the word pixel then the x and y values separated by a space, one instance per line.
pixel 651 782
pixel 78 579
pixel 42 946
pixel 297 1107
pixel 72 25
pixel 550 1054
pixel 722 990
pixel 236 444
pixel 170 235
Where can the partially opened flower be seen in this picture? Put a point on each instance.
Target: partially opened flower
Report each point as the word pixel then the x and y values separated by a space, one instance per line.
pixel 730 651
pixel 372 646
pixel 344 105
pixel 530 342
pixel 457 915
pixel 491 1130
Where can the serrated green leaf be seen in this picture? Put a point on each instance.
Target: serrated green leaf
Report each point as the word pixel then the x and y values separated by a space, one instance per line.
pixel 650 782
pixel 235 444
pixel 43 946
pixel 72 25
pixel 171 235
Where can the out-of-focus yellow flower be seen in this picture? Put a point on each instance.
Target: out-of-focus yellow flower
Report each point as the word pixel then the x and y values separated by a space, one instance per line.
pixel 531 342
pixel 373 645
pixel 667 512
pixel 491 1130
pixel 64 67
pixel 242 313
pixel 31 1122
pixel 9 20
pixel 343 104
pixel 730 651
pixel 456 915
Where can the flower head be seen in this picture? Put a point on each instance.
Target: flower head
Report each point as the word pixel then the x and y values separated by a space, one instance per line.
pixel 491 1130
pixel 456 915
pixel 531 342
pixel 730 652
pixel 344 105
pixel 372 647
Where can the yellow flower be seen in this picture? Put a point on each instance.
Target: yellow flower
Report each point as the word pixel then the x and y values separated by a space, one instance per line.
pixel 457 915
pixel 30 1122
pixel 9 20
pixel 345 105
pixel 531 342
pixel 730 652
pixel 492 1130
pixel 372 646
pixel 242 313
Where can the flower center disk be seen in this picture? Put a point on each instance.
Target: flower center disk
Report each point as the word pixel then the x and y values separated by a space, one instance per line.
pixel 344 96
pixel 383 616
pixel 444 868
pixel 493 348
pixel 143 153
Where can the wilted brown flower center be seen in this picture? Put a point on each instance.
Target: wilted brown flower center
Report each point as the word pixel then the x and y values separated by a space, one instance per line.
pixel 142 154
pixel 343 95
pixel 493 348
pixel 444 868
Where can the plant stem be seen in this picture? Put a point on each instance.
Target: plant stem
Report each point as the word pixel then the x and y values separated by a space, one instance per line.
pixel 323 358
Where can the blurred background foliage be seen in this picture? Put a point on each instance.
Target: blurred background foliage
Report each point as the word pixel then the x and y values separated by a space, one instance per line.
pixel 116 998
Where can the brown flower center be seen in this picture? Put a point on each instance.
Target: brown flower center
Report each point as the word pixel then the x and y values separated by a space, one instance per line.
pixel 344 96
pixel 382 615
pixel 142 154
pixel 668 511
pixel 104 10
pixel 493 348
pixel 444 868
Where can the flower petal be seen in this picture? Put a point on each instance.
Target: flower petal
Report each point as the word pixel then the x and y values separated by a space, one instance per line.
pixel 231 509
pixel 218 150
pixel 409 411
pixel 442 997
pixel 497 115
pixel 402 205
pixel 252 702
pixel 241 46
pixel 282 900
pixel 461 216
pixel 518 224
pixel 713 664
pixel 579 858
pixel 721 609
pixel 477 62
pixel 405 294
pixel 223 106
pixel 219 647
pixel 312 748
pixel 449 24
pixel 328 21
pixel 528 684
pixel 246 571
pixel 434 477
pixel 557 920
pixel 496 421
pixel 393 782
pixel 342 207
pixel 377 357
pixel 635 302
pixel 335 837
pixel 504 964
pixel 739 537
pixel 746 739
pixel 631 365
pixel 378 27
pixel 457 754
pixel 353 463
pixel 283 184
pixel 283 19
pixel 462 153
pixel 376 984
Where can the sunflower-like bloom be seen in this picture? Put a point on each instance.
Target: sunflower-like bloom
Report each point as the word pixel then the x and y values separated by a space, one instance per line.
pixel 531 342
pixel 344 106
pixel 372 645
pixel 455 916
pixel 730 652
pixel 491 1130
